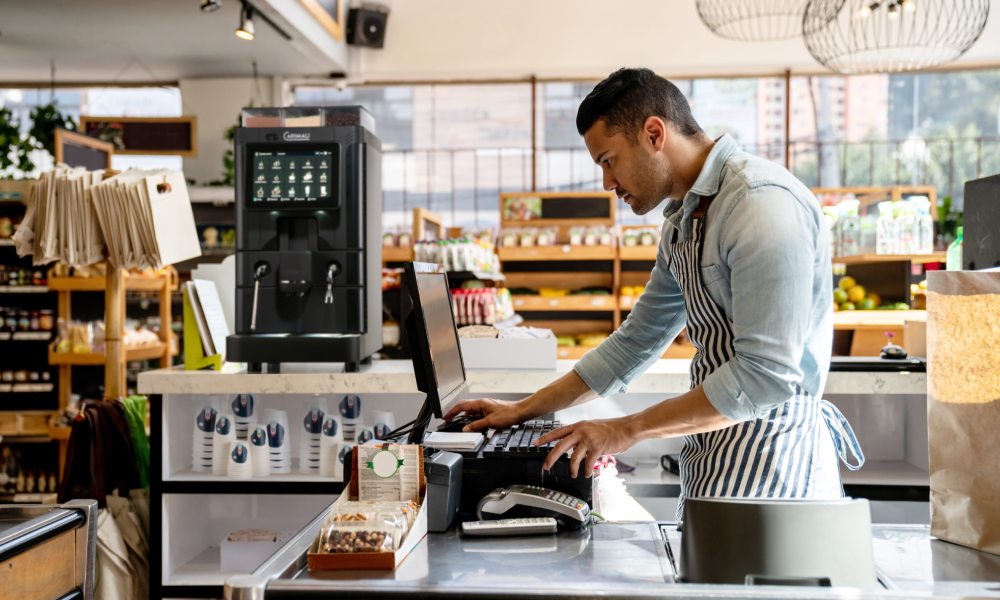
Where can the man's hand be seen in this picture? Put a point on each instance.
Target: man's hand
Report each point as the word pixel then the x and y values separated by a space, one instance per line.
pixel 492 413
pixel 589 440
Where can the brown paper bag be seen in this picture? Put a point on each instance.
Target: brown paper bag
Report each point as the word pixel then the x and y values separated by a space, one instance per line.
pixel 963 407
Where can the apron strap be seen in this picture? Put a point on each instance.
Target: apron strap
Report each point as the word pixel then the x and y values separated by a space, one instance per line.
pixel 844 439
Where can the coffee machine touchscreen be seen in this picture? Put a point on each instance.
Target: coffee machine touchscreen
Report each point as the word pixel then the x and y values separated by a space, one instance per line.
pixel 300 176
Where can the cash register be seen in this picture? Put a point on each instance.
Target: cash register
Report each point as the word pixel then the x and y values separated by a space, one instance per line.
pixel 503 457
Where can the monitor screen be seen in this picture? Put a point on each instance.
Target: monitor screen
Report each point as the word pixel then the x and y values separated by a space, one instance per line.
pixel 299 176
pixel 442 336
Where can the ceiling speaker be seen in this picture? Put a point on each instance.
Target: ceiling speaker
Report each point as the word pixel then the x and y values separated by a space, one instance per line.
pixel 366 26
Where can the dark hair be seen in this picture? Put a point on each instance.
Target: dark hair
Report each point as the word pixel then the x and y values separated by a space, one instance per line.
pixel 630 96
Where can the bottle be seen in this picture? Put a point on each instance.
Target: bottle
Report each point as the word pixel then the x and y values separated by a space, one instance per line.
pixel 850 226
pixel 954 257
pixel 883 229
pixel 925 225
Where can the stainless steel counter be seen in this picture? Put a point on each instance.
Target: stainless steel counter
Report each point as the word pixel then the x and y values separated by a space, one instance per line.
pixel 618 560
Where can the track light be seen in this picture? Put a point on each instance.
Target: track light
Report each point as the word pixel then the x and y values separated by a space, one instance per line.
pixel 909 6
pixel 867 9
pixel 245 31
pixel 210 6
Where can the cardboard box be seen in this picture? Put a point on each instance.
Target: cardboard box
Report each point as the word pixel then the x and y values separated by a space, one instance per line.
pixel 326 561
pixel 509 353
pixel 246 556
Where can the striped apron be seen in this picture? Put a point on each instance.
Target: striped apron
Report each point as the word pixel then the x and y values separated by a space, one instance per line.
pixel 791 452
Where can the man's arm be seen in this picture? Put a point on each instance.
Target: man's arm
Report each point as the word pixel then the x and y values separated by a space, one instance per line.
pixel 656 319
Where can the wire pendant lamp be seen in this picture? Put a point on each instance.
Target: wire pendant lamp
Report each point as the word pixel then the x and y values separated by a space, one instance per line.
pixel 753 20
pixel 889 36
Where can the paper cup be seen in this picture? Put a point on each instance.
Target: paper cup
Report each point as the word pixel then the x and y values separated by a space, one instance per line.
pixel 383 421
pixel 240 464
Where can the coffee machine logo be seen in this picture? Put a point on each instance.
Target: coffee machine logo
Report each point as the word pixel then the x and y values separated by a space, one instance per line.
pixel 294 136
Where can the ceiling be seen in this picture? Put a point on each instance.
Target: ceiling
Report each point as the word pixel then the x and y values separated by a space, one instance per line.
pixel 144 40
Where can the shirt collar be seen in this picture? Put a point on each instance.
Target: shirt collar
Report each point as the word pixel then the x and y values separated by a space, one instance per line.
pixel 679 212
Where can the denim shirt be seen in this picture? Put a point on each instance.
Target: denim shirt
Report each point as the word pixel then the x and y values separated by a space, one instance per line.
pixel 765 261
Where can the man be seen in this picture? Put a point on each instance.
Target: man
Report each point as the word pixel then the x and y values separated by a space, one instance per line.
pixel 744 264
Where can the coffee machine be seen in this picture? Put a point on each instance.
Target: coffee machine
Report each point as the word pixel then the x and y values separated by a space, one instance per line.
pixel 308 231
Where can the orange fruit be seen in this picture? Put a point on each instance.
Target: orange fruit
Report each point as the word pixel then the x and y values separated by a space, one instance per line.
pixel 856 294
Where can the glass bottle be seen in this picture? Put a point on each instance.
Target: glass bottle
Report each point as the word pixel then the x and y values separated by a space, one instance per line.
pixel 850 226
pixel 883 229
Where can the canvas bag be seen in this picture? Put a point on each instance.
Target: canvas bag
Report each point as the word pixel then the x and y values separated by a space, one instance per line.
pixel 963 407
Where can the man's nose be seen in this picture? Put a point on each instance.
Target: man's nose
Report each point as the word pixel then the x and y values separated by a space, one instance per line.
pixel 610 184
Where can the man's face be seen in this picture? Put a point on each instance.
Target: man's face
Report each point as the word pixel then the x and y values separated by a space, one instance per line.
pixel 631 165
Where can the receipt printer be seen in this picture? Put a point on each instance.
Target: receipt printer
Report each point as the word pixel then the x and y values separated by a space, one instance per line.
pixel 443 472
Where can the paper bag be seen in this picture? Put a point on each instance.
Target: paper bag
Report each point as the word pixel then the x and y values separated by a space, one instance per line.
pixel 963 407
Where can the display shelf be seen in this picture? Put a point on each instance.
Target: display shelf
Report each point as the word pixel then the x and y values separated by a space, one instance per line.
pixel 23 289
pixel 202 570
pixel 557 253
pixel 144 352
pixel 60 432
pixel 390 254
pixel 861 259
pixel 293 477
pixel 25 336
pixel 481 275
pixel 572 302
pixel 6 242
pixel 27 388
pixel 188 482
pixel 647 253
pixel 135 283
pixel 875 319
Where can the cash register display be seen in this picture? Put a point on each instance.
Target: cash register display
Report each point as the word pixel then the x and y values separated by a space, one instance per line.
pixel 299 177
pixel 442 337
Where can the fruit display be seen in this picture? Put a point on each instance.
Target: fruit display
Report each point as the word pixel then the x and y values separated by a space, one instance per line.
pixel 633 291
pixel 585 340
pixel 851 295
pixel 918 293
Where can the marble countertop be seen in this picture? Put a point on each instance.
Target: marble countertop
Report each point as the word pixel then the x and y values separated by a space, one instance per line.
pixel 667 376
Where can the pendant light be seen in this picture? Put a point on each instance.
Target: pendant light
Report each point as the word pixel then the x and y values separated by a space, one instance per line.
pixel 891 36
pixel 245 31
pixel 753 20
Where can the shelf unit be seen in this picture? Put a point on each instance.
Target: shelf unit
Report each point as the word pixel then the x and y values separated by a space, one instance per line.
pixel 562 266
pixel 116 355
pixel 863 259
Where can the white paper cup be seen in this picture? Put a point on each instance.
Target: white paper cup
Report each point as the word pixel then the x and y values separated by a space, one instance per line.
pixel 383 421
pixel 240 463
pixel 329 461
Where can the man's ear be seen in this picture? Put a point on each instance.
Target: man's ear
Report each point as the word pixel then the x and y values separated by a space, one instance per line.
pixel 654 132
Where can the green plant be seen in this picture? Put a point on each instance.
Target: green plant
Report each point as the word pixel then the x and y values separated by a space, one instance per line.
pixel 45 119
pixel 14 148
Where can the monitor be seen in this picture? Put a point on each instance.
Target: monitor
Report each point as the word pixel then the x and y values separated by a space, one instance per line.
pixel 281 178
pixel 433 340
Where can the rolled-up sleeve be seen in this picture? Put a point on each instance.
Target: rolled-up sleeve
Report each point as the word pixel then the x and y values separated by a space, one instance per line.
pixel 656 319
pixel 772 272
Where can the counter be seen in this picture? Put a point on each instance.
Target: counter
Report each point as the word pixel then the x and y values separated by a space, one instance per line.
pixel 665 376
pixel 621 560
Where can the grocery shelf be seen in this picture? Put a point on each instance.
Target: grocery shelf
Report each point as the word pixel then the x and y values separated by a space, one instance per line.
pixel 144 352
pixel 637 252
pixel 23 289
pixel 572 302
pixel 875 319
pixel 559 253
pixel 390 254
pixel 293 477
pixel 481 275
pixel 861 259
pixel 25 336
pixel 138 283
pixel 27 388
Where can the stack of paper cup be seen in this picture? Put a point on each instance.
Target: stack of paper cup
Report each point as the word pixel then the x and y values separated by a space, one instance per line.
pixel 366 435
pixel 330 443
pixel 243 407
pixel 309 450
pixel 278 445
pixel 204 433
pixel 225 435
pixel 240 464
pixel 383 421
pixel 350 414
pixel 260 456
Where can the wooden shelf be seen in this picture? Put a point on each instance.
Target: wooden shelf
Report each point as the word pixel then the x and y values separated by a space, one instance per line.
pixel 557 253
pixel 875 319
pixel 59 433
pixel 627 302
pixel 637 252
pixel 396 254
pixel 145 352
pixel 25 336
pixel 573 302
pixel 572 352
pixel 6 242
pixel 862 259
pixel 137 283
pixel 23 289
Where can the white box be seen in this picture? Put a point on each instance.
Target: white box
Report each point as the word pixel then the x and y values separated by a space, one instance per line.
pixel 509 353
pixel 245 557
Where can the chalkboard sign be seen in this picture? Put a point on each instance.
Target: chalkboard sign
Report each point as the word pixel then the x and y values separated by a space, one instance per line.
pixel 78 150
pixel 579 208
pixel 145 135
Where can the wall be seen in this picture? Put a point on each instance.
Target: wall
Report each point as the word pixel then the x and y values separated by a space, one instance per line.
pixel 431 39
pixel 217 104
